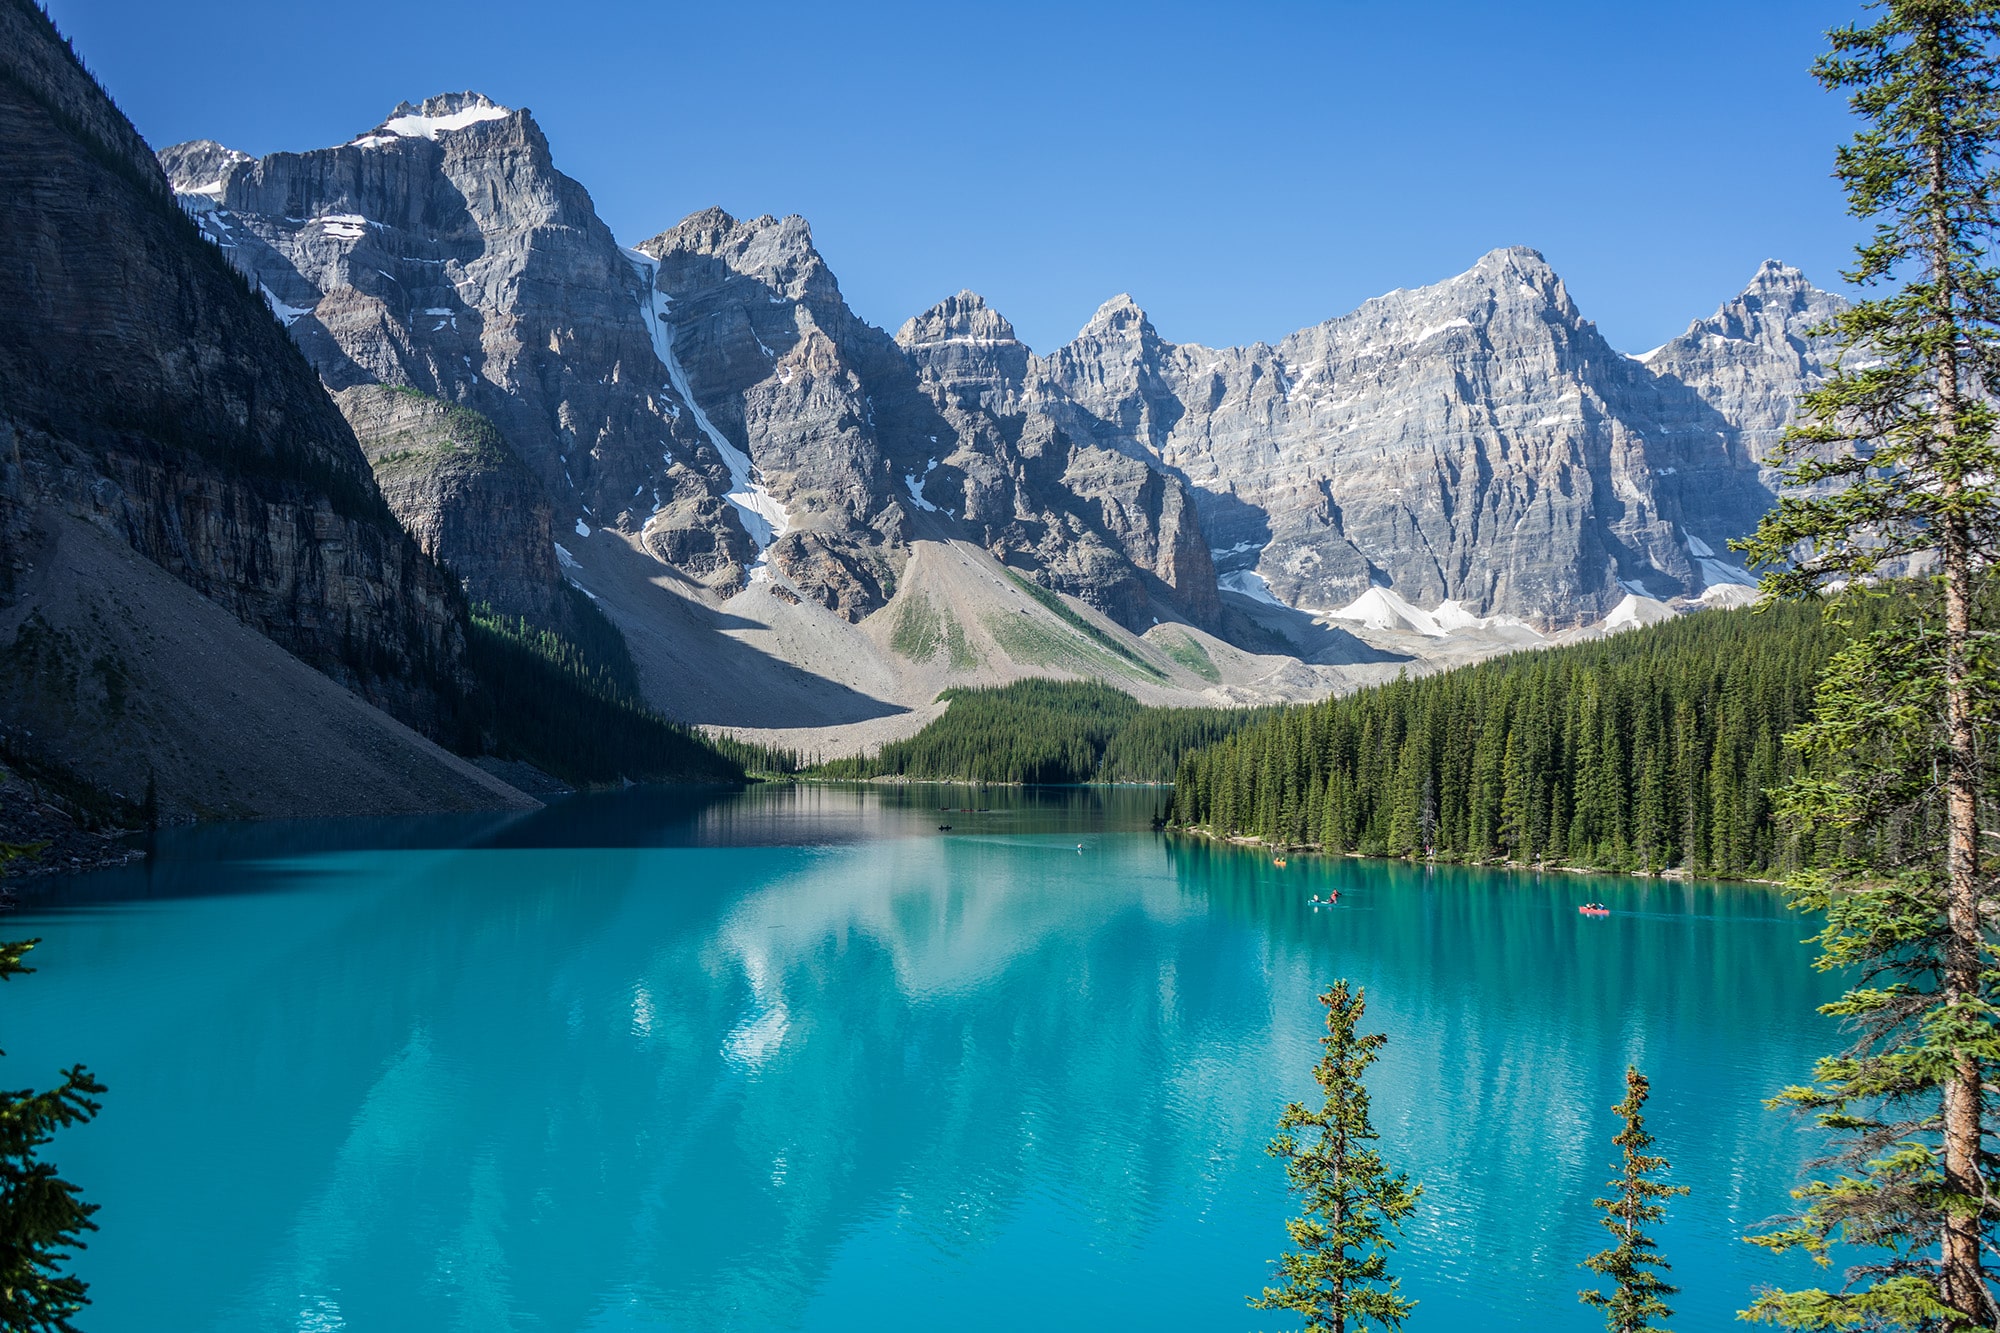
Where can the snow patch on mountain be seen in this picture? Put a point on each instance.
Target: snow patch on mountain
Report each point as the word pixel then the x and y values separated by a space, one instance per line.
pixel 1727 595
pixel 345 226
pixel 1382 609
pixel 1717 572
pixel 1249 583
pixel 916 487
pixel 763 517
pixel 1433 330
pixel 415 126
pixel 287 314
pixel 1635 611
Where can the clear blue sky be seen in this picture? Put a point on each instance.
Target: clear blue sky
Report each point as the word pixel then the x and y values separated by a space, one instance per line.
pixel 1242 168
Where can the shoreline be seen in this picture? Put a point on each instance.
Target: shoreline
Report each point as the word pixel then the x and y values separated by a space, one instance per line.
pixel 1565 868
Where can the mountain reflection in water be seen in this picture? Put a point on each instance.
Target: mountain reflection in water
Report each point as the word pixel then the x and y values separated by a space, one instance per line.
pixel 793 1058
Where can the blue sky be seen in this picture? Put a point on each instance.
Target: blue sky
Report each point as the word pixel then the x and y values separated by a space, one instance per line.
pixel 1242 169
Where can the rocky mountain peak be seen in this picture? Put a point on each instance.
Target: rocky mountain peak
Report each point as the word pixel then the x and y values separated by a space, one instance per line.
pixel 443 252
pixel 1755 355
pixel 1779 302
pixel 200 166
pixel 1508 293
pixel 1778 295
pixel 778 253
pixel 964 318
pixel 1515 275
pixel 702 232
pixel 1518 260
pixel 1777 273
pixel 1120 316
pixel 441 114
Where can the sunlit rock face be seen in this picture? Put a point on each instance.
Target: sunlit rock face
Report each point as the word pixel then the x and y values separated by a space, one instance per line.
pixel 442 251
pixel 1477 440
pixel 869 441
pixel 1754 357
pixel 709 391
pixel 1474 441
pixel 1105 522
pixel 464 496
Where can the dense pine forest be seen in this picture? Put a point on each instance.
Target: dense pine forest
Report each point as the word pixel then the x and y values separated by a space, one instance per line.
pixel 1652 749
pixel 573 709
pixel 1048 731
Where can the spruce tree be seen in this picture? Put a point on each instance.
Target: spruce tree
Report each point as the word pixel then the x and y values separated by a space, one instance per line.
pixel 1872 796
pixel 42 1217
pixel 1638 1292
pixel 1905 726
pixel 1338 1276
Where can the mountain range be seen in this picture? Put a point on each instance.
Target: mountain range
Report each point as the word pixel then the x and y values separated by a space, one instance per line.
pixel 1476 441
pixel 803 526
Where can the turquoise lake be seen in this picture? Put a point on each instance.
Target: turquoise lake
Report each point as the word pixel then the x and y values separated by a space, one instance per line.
pixel 794 1058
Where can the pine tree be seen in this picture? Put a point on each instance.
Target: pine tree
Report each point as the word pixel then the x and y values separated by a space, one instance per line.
pixel 1338 1276
pixel 1874 749
pixel 1922 483
pixel 42 1217
pixel 1638 1293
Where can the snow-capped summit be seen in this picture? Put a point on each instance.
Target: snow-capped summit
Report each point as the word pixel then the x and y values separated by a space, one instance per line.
pixel 434 116
pixel 200 167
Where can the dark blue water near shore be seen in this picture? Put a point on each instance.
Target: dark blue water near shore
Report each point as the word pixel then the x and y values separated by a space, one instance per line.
pixel 796 1059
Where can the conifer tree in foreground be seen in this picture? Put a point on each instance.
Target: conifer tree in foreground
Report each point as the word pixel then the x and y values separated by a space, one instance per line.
pixel 1901 749
pixel 1338 1277
pixel 1638 1293
pixel 41 1215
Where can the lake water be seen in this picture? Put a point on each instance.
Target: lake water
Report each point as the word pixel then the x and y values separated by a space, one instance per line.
pixel 795 1058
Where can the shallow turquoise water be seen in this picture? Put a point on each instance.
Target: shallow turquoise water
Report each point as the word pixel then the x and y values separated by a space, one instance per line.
pixel 794 1058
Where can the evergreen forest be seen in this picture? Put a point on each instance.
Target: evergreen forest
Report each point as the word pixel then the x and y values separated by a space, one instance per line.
pixel 1047 731
pixel 572 708
pixel 1655 748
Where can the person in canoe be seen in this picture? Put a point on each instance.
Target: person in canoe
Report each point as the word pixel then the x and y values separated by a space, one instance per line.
pixel 1594 909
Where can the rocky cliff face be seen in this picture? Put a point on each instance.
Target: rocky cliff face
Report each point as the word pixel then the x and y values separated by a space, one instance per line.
pixel 143 386
pixel 710 391
pixel 810 399
pixel 161 437
pixel 1475 441
pixel 1754 357
pixel 442 251
pixel 1107 525
pixel 462 493
pixel 861 442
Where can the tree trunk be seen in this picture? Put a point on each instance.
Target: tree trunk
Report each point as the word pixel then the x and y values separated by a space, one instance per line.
pixel 1961 1277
